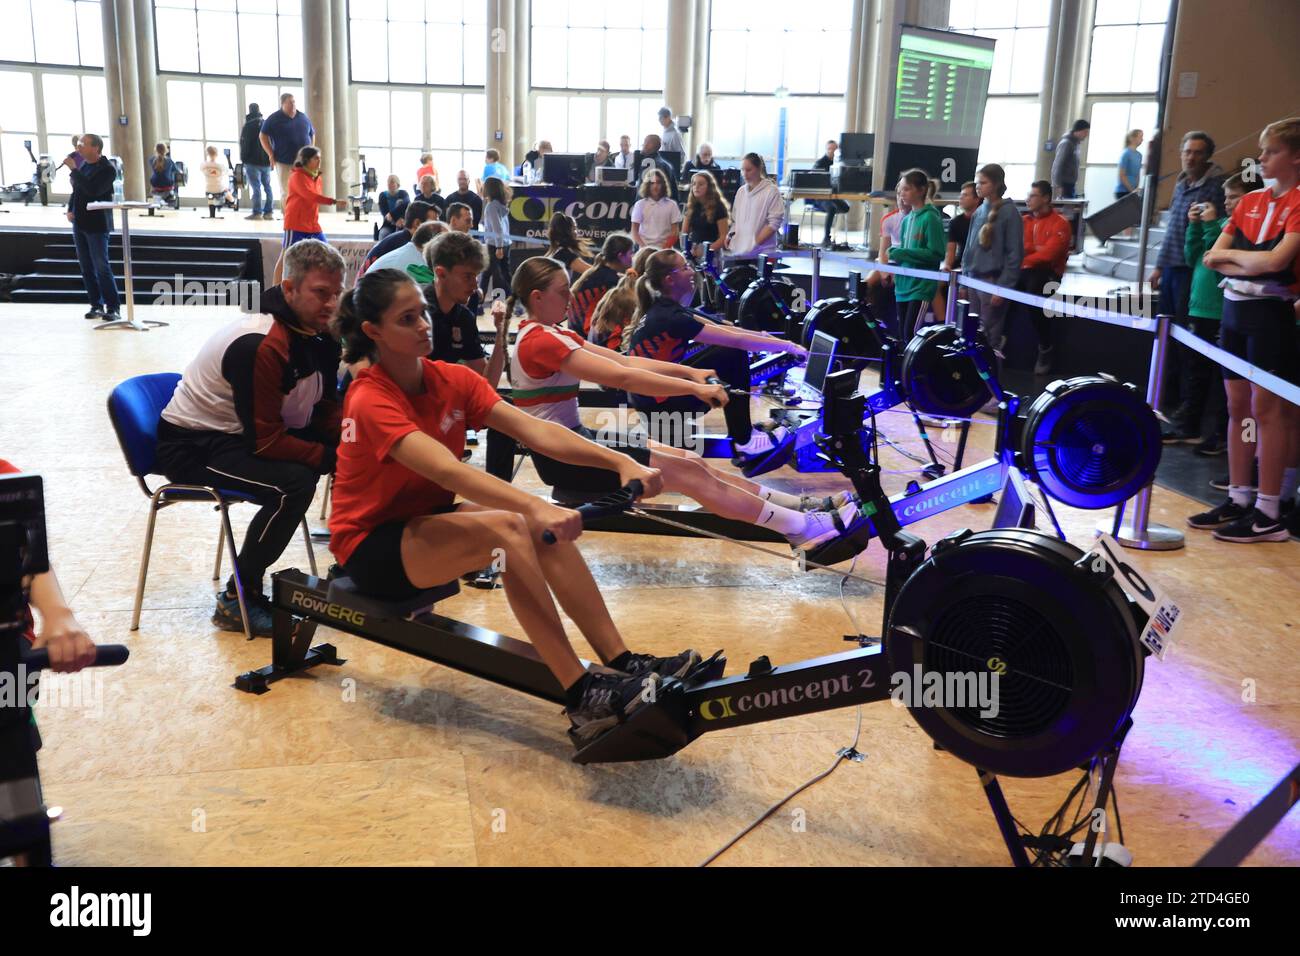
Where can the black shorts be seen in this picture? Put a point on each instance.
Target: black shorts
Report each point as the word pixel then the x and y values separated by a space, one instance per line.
pixel 560 474
pixel 375 566
pixel 1261 331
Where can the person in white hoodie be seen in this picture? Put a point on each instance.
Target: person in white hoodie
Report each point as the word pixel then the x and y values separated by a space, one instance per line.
pixel 758 212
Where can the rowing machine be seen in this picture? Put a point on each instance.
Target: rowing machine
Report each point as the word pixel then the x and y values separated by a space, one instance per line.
pixel 1025 613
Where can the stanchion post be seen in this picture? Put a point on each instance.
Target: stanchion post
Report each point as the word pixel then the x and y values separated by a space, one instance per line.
pixel 1139 533
pixel 950 310
pixel 816 273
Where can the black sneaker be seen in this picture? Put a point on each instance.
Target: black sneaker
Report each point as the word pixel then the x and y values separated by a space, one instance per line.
pixel 1292 522
pixel 678 666
pixel 95 313
pixel 112 316
pixel 1219 517
pixel 227 616
pixel 1211 447
pixel 1176 433
pixel 1255 526
pixel 610 696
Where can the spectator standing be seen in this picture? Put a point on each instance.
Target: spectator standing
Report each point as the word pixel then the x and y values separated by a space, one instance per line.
pixel 302 207
pixel 257 164
pixel 959 226
pixel 1065 165
pixel 650 159
pixel 993 253
pixel 493 168
pixel 656 220
pixel 283 134
pixel 496 232
pixel 1258 252
pixel 1205 302
pixel 1046 249
pixel 1190 373
pixel 1130 165
pixel 671 137
pixel 92 181
pixel 758 212
pixel 920 246
pixel 427 168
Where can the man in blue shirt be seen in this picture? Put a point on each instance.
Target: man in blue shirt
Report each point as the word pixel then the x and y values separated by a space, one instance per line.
pixel 284 132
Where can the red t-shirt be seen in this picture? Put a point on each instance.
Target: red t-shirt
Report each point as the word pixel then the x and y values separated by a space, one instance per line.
pixel 30 632
pixel 370 488
pixel 1260 221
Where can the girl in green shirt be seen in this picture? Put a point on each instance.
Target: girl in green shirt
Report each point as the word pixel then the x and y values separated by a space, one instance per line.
pixel 921 246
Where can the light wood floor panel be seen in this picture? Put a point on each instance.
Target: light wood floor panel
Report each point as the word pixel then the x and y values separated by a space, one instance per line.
pixel 393 760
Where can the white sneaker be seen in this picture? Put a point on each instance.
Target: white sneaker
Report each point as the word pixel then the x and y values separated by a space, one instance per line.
pixel 760 442
pixel 821 527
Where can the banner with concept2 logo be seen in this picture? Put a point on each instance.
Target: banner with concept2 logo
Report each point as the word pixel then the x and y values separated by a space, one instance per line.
pixel 598 210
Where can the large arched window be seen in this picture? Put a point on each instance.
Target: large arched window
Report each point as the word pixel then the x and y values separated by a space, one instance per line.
pixel 51 82
pixel 755 48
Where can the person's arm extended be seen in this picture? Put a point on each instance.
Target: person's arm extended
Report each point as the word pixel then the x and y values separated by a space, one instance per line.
pixel 69 646
pixel 431 459
pixel 1243 263
pixel 591 367
pixel 728 336
pixel 688 372
pixel 556 441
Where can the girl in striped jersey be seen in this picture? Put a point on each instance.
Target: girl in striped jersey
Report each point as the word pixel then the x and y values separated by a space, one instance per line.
pixel 550 362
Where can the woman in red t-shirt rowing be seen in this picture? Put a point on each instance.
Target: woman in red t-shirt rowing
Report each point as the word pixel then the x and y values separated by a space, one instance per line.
pixel 397 527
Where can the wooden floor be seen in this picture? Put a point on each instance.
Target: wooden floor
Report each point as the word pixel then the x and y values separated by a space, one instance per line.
pixel 390 760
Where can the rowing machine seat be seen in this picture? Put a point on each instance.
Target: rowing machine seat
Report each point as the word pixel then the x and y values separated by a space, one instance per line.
pixel 343 591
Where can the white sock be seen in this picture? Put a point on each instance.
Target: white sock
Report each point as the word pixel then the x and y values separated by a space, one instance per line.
pixel 1289 476
pixel 781 498
pixel 1269 505
pixel 1240 495
pixel 784 520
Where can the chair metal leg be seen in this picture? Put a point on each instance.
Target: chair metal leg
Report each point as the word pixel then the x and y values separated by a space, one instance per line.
pixel 325 498
pixel 234 563
pixel 311 552
pixel 221 544
pixel 144 561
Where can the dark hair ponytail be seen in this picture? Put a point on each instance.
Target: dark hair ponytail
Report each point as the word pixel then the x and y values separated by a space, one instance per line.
pixel 367 301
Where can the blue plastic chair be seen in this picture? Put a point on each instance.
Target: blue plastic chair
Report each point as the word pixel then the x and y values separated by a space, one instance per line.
pixel 135 407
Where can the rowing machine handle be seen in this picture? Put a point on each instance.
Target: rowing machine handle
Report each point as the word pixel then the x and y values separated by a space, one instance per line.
pixel 106 655
pixel 614 503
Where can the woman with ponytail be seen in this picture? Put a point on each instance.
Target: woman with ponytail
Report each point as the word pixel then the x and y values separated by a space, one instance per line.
pixel 666 327
pixel 408 514
pixel 994 251
pixel 590 287
pixel 550 362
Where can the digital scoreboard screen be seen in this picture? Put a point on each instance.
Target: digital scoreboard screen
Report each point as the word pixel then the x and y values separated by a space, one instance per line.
pixel 943 84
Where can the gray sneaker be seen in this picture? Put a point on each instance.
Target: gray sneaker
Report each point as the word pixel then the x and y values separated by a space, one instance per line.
pixel 677 666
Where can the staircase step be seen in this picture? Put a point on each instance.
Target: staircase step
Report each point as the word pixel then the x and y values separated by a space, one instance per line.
pixel 78 296
pixel 148 270
pixel 157 252
pixel 1114 266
